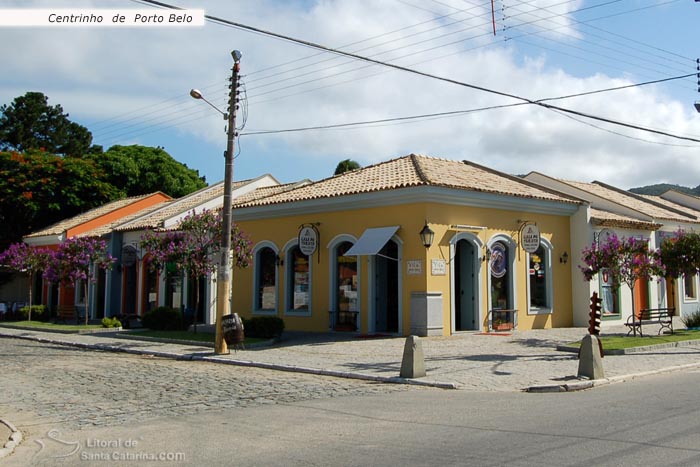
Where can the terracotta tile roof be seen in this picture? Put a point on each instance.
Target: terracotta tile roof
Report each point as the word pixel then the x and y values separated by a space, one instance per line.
pixel 264 192
pixel 671 204
pixel 156 218
pixel 609 219
pixel 108 228
pixel 66 224
pixel 633 201
pixel 410 171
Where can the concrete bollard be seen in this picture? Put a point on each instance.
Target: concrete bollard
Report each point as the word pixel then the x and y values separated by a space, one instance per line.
pixel 590 362
pixel 413 363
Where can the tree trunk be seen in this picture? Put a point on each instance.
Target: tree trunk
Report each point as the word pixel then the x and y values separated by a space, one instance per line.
pixel 31 283
pixel 87 299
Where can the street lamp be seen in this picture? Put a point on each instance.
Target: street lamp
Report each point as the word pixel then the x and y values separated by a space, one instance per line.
pixel 223 274
pixel 427 235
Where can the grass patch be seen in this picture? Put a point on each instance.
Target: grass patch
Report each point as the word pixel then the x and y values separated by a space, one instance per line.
pixel 619 342
pixel 187 336
pixel 43 326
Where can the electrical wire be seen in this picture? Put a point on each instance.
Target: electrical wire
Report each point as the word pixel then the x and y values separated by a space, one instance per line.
pixel 309 81
pixel 424 74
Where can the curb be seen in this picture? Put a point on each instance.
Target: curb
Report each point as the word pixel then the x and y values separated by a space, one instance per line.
pixel 135 337
pixel 247 363
pixel 633 350
pixel 61 331
pixel 589 384
pixel 15 438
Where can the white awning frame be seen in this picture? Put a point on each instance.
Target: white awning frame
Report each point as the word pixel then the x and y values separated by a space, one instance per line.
pixel 372 240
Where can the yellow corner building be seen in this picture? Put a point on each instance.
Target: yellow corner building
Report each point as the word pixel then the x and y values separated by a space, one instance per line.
pixel 415 245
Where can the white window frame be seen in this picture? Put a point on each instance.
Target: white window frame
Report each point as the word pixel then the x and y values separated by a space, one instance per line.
pixel 256 266
pixel 511 245
pixel 289 282
pixel 332 269
pixel 549 296
pixel 686 298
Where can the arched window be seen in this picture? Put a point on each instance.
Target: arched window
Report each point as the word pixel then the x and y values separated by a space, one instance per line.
pixel 298 281
pixel 345 274
pixel 265 299
pixel 501 276
pixel 540 280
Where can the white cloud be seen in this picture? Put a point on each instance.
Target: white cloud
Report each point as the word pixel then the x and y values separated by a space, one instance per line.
pixel 142 76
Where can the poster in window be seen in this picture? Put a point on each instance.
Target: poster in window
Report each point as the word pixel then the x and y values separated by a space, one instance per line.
pixel 268 298
pixel 497 264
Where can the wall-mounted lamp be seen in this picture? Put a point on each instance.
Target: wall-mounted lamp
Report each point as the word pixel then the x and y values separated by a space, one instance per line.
pixel 279 261
pixel 427 236
pixel 487 255
pixel 564 258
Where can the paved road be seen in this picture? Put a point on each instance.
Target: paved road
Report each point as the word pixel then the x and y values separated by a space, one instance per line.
pixel 470 361
pixel 44 386
pixel 408 427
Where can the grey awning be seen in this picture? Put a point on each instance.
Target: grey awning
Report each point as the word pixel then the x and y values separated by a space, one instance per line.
pixel 372 240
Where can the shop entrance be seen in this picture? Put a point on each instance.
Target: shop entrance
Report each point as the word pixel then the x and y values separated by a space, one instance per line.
pixel 386 288
pixel 129 277
pixel 465 287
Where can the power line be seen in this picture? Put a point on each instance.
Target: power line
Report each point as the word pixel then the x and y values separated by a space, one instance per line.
pixel 462 112
pixel 337 74
pixel 427 75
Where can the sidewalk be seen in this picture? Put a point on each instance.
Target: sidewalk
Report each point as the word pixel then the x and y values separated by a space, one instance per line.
pixel 525 360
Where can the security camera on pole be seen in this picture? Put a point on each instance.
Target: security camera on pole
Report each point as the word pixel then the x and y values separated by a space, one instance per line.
pixel 590 363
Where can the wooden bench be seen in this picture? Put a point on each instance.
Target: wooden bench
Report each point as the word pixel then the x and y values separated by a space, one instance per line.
pixel 660 316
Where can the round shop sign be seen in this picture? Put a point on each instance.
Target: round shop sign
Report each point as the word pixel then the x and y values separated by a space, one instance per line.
pixel 308 240
pixel 531 238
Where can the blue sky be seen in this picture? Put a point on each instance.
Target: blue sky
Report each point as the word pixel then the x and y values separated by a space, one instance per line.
pixel 130 86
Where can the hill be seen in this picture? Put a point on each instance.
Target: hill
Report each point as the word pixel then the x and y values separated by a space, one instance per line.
pixel 660 188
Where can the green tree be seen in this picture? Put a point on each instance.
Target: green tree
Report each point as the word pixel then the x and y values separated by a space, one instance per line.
pixel 346 166
pixel 31 123
pixel 139 170
pixel 38 189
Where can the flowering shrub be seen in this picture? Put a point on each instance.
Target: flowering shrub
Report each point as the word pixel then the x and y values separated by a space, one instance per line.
pixel 680 254
pixel 75 261
pixel 195 246
pixel 20 257
pixel 625 259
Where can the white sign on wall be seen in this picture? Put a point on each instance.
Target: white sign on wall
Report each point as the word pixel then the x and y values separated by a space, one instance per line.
pixel 414 267
pixel 438 267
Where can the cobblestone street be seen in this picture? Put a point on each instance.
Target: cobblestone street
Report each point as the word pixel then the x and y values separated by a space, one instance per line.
pixel 55 385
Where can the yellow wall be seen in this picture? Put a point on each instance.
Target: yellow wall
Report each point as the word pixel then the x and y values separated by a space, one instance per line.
pixel 411 218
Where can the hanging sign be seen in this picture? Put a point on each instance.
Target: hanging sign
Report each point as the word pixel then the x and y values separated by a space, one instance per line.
pixel 308 240
pixel 128 256
pixel 530 238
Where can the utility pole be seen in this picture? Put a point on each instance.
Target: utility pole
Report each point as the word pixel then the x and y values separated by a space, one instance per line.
pixel 223 276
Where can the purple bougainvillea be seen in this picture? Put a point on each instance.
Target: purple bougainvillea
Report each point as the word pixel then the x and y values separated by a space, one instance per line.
pixel 22 258
pixel 76 260
pixel 625 259
pixel 195 247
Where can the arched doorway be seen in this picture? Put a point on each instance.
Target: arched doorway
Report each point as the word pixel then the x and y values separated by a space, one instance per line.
pixel 386 288
pixel 465 286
